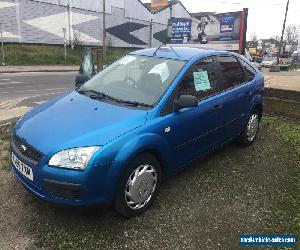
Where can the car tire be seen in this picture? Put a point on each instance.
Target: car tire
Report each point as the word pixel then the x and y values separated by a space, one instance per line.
pixel 248 136
pixel 138 186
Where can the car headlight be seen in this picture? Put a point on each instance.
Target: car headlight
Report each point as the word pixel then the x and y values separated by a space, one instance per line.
pixel 74 158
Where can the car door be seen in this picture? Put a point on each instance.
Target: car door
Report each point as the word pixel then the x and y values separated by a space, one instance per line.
pixel 195 130
pixel 236 95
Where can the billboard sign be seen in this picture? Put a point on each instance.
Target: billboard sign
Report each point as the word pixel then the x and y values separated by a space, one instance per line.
pixel 225 31
pixel 181 29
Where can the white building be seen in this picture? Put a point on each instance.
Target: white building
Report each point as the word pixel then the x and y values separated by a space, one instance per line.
pixel 80 21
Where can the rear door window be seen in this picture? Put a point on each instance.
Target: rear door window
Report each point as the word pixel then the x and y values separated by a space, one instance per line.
pixel 231 70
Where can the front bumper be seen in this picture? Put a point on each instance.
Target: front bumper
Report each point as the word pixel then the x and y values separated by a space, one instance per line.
pixel 68 187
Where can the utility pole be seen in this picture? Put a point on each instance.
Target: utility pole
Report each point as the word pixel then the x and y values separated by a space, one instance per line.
pixel 65 43
pixel 283 28
pixel 169 24
pixel 103 36
pixel 151 31
pixel 2 46
pixel 171 9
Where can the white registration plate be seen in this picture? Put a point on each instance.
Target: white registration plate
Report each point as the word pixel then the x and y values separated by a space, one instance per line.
pixel 23 168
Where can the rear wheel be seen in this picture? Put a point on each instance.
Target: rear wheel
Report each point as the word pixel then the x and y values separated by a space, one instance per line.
pixel 250 132
pixel 138 186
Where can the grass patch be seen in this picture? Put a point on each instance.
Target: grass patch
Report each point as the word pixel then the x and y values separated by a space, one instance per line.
pixel 285 213
pixel 77 230
pixel 236 190
pixel 5 136
pixel 288 130
pixel 294 67
pixel 23 54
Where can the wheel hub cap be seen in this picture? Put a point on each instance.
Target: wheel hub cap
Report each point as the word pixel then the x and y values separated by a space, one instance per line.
pixel 252 127
pixel 140 186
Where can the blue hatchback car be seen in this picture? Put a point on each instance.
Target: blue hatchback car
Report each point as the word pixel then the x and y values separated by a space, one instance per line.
pixel 145 116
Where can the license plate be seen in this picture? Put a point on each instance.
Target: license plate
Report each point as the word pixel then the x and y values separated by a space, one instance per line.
pixel 23 168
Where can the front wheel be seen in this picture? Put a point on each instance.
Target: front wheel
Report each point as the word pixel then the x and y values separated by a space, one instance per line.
pixel 138 186
pixel 250 132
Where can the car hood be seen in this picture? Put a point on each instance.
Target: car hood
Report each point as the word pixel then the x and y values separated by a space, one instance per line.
pixel 74 120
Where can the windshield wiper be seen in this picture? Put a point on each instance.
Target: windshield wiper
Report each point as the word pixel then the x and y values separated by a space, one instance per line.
pixel 135 103
pixel 96 94
pixel 100 95
pixel 132 103
pixel 83 91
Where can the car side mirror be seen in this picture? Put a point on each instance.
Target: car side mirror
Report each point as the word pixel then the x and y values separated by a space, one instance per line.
pixel 185 101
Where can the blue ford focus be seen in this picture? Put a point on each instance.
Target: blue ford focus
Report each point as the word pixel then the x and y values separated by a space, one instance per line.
pixel 113 138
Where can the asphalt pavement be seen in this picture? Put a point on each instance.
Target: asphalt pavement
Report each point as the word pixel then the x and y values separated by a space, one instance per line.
pixel 41 86
pixel 21 91
pixel 286 80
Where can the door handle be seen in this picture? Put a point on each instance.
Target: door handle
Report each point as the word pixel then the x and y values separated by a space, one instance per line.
pixel 217 107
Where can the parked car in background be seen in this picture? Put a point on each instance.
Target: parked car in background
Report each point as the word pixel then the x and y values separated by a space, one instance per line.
pixel 286 60
pixel 258 59
pixel 268 61
pixel 113 138
pixel 296 58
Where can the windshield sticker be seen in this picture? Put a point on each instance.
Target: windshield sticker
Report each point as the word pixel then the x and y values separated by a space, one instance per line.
pixel 161 69
pixel 127 59
pixel 201 81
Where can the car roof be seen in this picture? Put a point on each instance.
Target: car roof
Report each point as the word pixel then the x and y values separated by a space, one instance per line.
pixel 179 53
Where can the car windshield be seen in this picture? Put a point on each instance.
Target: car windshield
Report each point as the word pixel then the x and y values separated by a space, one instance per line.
pixel 135 79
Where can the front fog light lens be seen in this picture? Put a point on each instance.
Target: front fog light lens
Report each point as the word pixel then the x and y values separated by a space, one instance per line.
pixel 75 158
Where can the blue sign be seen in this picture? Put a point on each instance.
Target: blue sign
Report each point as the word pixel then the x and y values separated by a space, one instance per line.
pixel 226 24
pixel 288 240
pixel 181 28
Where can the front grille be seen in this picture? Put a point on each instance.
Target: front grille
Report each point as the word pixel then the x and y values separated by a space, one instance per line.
pixel 26 151
pixel 63 190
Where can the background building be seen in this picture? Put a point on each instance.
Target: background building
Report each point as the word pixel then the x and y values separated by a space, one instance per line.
pixel 128 22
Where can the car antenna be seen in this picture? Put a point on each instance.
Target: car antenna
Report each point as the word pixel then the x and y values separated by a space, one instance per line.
pixel 154 54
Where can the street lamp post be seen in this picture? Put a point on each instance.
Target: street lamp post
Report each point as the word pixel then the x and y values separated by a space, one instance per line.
pixel 65 43
pixel 2 46
pixel 103 35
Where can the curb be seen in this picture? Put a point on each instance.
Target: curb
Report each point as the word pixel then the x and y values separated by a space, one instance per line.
pixel 38 68
pixel 283 94
pixel 31 71
pixel 8 122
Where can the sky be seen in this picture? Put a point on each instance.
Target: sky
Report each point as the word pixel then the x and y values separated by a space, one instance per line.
pixel 265 17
